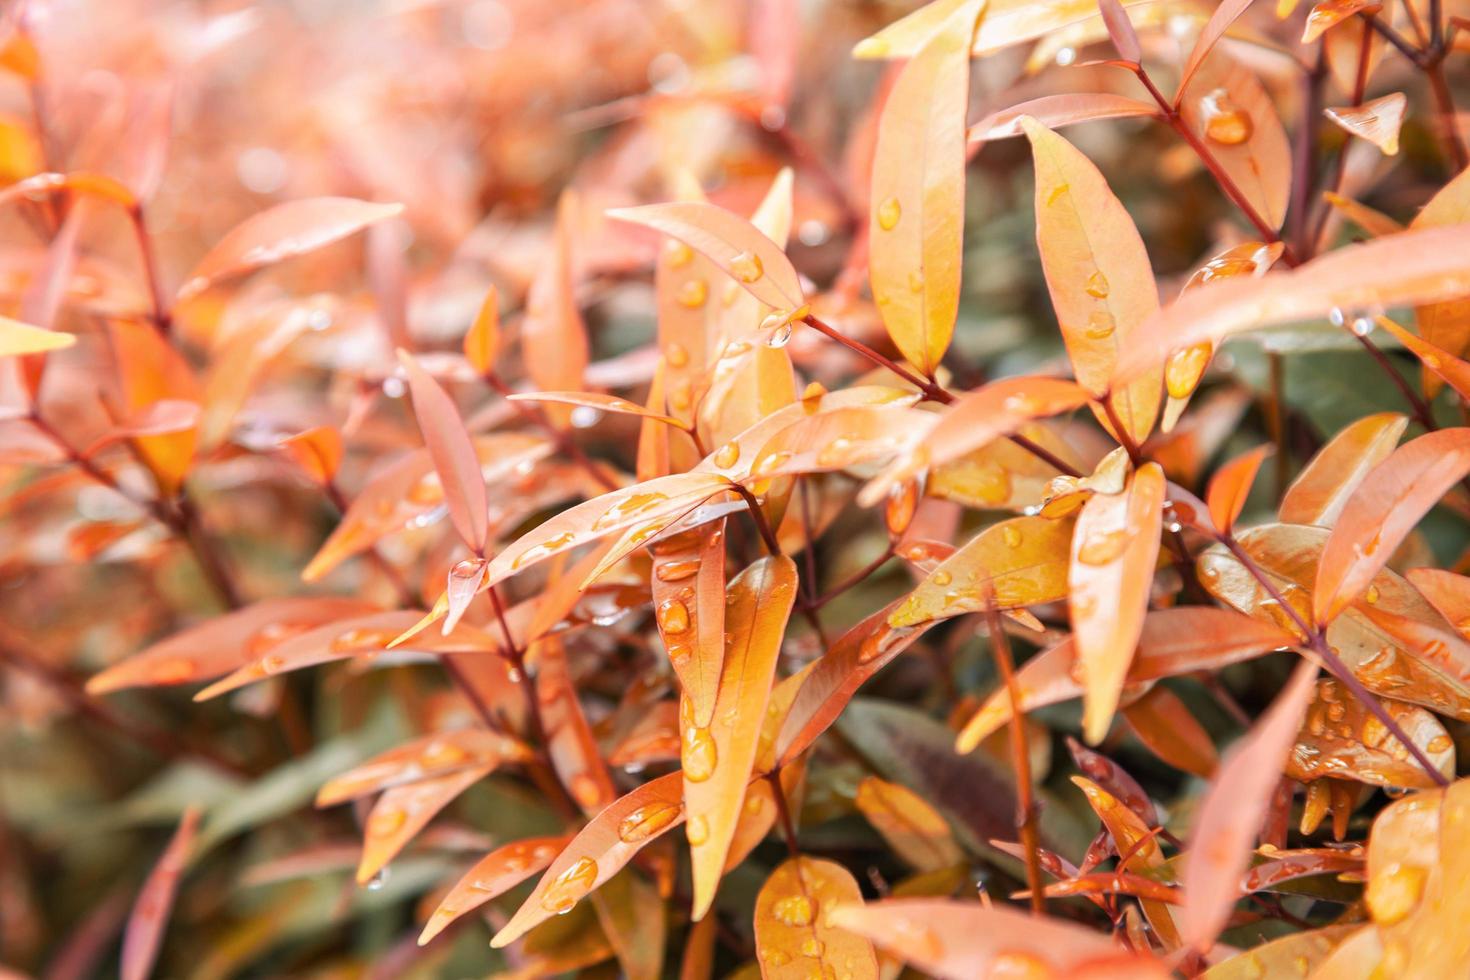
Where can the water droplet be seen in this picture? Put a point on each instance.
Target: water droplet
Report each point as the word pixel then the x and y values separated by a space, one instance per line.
pixel 1395 892
pixel 693 293
pixel 377 881
pixel 727 455
pixel 812 946
pixel 676 355
pixel 441 755
pixel 1100 325
pixel 916 281
pixel 384 822
pixel 1101 547
pixel 888 213
pixel 747 267
pixel 1225 122
pixel 697 830
pixel 677 571
pixel 646 821
pixel 698 754
pixel 1336 316
pixel 677 253
pixel 942 578
pixel 780 337
pixel 1011 536
pixel 1372 595
pixel 673 616
pixel 570 886
pixel 1362 325
pixel 1065 56
pixel 1440 743
pixel 1184 369
pixel 1057 193
pixel 1097 285
pixel 793 910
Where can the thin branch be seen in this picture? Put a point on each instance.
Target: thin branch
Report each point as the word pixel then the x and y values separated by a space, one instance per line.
pixel 1020 759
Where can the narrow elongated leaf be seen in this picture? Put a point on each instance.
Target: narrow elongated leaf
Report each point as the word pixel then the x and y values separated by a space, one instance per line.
pixel 1172 642
pixel 913 828
pixel 1056 111
pixel 225 643
pixel 830 682
pixel 424 758
pixel 1097 271
pixel 717 758
pixel 957 940
pixel 916 228
pixel 1230 112
pixel 794 930
pixel 1139 847
pixel 1420 266
pixel 1447 592
pixel 569 740
pixel 682 282
pixel 1445 325
pixel 149 918
pixel 730 242
pixel 1019 562
pixel 1297 953
pixel 1376 121
pixel 1225 14
pixel 1006 22
pixel 1371 220
pixel 999 409
pixel 1438 362
pixel 402 811
pixel 1324 487
pixel 597 400
pixel 453 454
pixel 688 585
pixel 553 336
pixel 1231 484
pixel 1114 551
pixel 1120 30
pixel 1165 725
pixel 492 876
pixel 1390 501
pixel 18 338
pixel 286 230
pixel 482 340
pixel 1231 813
pixel 599 851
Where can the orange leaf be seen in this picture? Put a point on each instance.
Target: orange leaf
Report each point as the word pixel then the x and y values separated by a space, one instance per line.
pixel 730 242
pixel 1006 22
pixel 1097 271
pixel 1371 220
pixel 717 758
pixel 956 940
pixel 1324 487
pixel 482 340
pixel 1446 324
pixel 1139 851
pixel 1224 15
pixel 1019 562
pixel 1163 723
pixel 569 740
pixel 976 419
pixel 916 227
pixel 914 829
pixel 828 684
pixel 1447 592
pixel 1114 550
pixel 1056 111
pixel 424 758
pixel 1329 13
pixel 1376 121
pixel 688 584
pixel 1419 266
pixel 453 454
pixel 1437 362
pixel 1230 815
pixel 597 400
pixel 492 876
pixel 224 643
pixel 286 230
pixel 794 931
pixel 1390 501
pixel 402 811
pixel 149 918
pixel 317 451
pixel 1173 641
pixel 553 336
pixel 1229 111
pixel 1231 485
pixel 599 851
